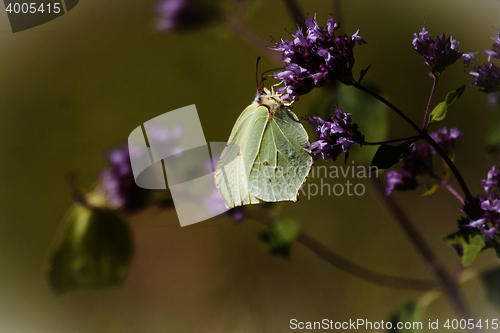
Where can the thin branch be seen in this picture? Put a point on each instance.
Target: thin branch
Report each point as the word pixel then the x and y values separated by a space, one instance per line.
pixel 468 196
pixel 426 117
pixel 454 192
pixel 363 273
pixel 448 284
pixel 367 143
pixel 266 217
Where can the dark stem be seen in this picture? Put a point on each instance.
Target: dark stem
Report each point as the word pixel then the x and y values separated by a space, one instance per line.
pixel 426 118
pixel 468 196
pixel 367 143
pixel 351 268
pixel 295 12
pixel 266 217
pixel 447 283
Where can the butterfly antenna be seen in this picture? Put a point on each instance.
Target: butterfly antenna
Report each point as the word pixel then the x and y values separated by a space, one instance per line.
pixel 257 73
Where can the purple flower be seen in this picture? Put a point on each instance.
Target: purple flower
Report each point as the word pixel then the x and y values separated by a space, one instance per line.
pixel 118 184
pixel 440 53
pixel 400 181
pixel 181 15
pixel 489 222
pixel 315 58
pixel 446 139
pixel 419 162
pixel 487 78
pixel 495 49
pixel 335 135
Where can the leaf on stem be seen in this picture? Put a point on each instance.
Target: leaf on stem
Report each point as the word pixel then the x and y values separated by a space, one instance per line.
pixel 387 156
pixel 467 244
pixel 363 73
pixel 278 237
pixel 439 112
pixel 431 189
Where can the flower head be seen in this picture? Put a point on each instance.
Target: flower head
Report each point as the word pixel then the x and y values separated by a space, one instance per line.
pixel 118 183
pixel 495 48
pixel 335 133
pixel 487 78
pixel 489 222
pixel 316 57
pixel 181 15
pixel 419 162
pixel 446 139
pixel 440 53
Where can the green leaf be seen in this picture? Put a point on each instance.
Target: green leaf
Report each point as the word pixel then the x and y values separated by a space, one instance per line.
pixel 363 73
pixel 452 96
pixel 491 282
pixel 93 252
pixel 277 238
pixel 410 312
pixel 439 112
pixel 467 244
pixel 387 156
pixel 431 189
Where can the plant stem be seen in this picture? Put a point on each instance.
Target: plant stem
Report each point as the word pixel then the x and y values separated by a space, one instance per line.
pixel 454 192
pixel 351 268
pixel 426 118
pixel 468 196
pixel 254 39
pixel 367 143
pixel 447 283
pixel 268 218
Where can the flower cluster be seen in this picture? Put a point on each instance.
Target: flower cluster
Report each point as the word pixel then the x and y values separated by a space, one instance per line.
pixel 446 139
pixel 419 162
pixel 316 57
pixel 487 77
pixel 489 222
pixel 118 184
pixel 181 15
pixel 440 53
pixel 335 135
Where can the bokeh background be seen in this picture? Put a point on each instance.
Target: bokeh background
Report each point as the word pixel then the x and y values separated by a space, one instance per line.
pixel 77 85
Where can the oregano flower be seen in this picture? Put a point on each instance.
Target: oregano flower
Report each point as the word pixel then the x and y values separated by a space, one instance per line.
pixel 315 57
pixel 335 133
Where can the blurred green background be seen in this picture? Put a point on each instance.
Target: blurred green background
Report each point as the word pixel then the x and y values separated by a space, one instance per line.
pixel 81 83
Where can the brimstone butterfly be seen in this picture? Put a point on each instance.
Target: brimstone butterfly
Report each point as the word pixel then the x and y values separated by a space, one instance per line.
pixel 267 157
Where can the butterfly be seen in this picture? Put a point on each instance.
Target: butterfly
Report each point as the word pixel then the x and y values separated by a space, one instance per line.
pixel 267 158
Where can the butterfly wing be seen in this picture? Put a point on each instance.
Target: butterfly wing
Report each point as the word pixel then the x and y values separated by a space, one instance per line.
pixel 281 157
pixel 231 176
